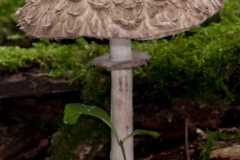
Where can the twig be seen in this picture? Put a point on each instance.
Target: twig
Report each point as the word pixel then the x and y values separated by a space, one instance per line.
pixel 186 139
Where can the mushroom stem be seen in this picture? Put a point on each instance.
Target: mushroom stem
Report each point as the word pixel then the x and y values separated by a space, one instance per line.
pixel 121 100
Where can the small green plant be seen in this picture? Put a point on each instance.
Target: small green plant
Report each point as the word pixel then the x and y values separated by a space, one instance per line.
pixel 74 110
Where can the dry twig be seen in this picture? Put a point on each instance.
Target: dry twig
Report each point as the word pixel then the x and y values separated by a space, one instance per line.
pixel 186 139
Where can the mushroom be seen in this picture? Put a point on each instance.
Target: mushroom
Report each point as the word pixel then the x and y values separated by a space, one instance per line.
pixel 119 21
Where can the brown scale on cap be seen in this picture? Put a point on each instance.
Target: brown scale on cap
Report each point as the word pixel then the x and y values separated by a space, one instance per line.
pixel 129 19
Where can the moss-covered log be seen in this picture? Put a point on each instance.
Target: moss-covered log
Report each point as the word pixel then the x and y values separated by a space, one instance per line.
pixel 31 82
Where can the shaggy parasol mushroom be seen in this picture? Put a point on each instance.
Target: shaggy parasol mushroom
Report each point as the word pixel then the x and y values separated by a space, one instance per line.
pixel 119 21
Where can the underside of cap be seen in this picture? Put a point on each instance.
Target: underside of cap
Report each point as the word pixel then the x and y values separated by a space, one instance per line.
pixel 104 19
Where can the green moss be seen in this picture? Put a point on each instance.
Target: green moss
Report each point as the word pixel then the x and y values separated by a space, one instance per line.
pixel 70 61
pixel 197 63
pixel 204 59
pixel 88 131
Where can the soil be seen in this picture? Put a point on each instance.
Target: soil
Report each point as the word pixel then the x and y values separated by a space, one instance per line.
pixel 25 134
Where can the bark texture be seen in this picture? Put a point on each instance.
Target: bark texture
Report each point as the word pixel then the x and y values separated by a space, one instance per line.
pixel 131 19
pixel 30 82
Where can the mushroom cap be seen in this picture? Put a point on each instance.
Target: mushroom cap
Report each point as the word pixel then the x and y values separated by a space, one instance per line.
pixel 104 19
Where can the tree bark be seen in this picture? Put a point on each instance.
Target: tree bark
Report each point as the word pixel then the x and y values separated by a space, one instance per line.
pixel 121 100
pixel 31 83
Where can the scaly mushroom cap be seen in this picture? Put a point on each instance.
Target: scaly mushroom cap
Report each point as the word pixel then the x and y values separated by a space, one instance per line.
pixel 131 19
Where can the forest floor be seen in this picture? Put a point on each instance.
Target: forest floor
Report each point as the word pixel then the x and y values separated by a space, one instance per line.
pixel 25 134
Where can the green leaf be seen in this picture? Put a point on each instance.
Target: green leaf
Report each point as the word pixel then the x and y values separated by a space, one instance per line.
pixel 140 132
pixel 73 111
